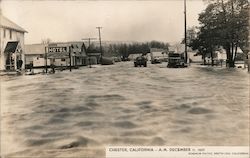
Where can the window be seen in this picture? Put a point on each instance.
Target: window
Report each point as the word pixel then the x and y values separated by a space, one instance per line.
pixel 62 59
pixel 4 33
pixel 10 34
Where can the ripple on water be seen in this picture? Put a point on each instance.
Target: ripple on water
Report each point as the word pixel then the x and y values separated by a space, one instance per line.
pixel 199 110
pixel 54 134
pixel 73 142
pixel 125 124
pixel 138 133
pixel 81 109
pixel 56 120
pixel 38 142
pixel 128 141
pixel 157 141
pixel 109 97
pixel 85 123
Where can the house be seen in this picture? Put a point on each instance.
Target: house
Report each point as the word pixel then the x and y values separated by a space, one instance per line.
pixel 58 53
pixel 34 55
pixel 134 56
pixel 67 53
pixel 11 45
pixel 158 54
pixel 192 55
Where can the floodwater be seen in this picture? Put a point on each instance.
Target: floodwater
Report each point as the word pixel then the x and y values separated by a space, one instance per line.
pixel 78 113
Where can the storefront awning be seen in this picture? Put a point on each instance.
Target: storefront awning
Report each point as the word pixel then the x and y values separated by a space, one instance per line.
pixel 11 47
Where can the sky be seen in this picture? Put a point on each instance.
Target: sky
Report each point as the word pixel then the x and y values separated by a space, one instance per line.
pixel 123 20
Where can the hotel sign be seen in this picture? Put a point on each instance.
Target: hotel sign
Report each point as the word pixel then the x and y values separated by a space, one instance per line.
pixel 57 49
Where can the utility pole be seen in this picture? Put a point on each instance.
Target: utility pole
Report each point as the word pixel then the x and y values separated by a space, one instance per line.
pixel 46 57
pixel 185 23
pixel 99 30
pixel 88 53
pixel 70 49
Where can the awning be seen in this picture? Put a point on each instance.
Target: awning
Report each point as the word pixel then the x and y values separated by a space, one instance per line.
pixel 11 47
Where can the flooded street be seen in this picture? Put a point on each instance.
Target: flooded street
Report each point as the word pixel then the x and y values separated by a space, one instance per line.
pixel 78 113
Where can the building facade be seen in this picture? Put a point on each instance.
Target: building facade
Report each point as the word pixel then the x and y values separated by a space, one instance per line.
pixel 58 54
pixel 11 45
pixel 34 55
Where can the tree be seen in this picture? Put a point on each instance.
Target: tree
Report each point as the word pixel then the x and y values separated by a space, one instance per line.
pixel 224 23
pixel 191 35
pixel 125 49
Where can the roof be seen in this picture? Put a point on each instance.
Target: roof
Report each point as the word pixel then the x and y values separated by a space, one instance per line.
pixel 6 23
pixel 11 47
pixel 34 49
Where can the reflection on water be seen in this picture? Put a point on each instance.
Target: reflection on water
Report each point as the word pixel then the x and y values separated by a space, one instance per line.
pixel 79 113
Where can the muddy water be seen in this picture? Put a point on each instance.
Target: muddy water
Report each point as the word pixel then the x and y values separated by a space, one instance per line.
pixel 79 113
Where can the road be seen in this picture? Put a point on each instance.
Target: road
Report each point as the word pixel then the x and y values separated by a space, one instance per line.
pixel 80 112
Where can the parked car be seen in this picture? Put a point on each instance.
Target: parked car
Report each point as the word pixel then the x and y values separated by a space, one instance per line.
pixel 156 60
pixel 140 61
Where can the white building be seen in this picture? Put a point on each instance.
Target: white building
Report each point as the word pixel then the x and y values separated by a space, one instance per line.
pixel 34 55
pixel 159 54
pixel 134 56
pixel 57 54
pixel 11 45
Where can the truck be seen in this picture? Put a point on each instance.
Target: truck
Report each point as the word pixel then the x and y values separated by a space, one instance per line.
pixel 176 60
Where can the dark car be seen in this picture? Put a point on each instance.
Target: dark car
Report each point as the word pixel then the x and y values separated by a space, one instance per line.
pixel 156 61
pixel 140 61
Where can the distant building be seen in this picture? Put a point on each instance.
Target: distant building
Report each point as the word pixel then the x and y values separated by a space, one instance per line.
pixel 58 54
pixel 194 57
pixel 158 54
pixel 62 54
pixel 134 56
pixel 34 55
pixel 191 55
pixel 11 45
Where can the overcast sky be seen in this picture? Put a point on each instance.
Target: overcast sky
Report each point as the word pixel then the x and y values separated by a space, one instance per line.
pixel 121 20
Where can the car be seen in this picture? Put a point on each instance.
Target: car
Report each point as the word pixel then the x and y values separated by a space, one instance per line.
pixel 140 61
pixel 156 60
